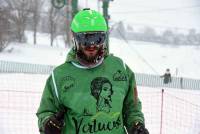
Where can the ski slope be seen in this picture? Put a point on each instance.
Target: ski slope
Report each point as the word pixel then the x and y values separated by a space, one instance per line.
pixel 20 93
pixel 142 57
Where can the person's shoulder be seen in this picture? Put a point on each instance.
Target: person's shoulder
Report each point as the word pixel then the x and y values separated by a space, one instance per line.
pixel 62 66
pixel 113 57
pixel 115 60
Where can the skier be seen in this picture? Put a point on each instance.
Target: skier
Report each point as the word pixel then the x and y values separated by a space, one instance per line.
pixel 167 77
pixel 93 92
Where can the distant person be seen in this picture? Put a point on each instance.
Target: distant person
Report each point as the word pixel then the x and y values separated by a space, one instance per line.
pixel 93 92
pixel 181 82
pixel 167 77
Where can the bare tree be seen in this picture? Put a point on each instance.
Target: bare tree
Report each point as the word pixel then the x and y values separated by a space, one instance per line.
pixel 168 37
pixel 20 9
pixel 192 37
pixel 4 28
pixel 36 13
pixel 149 34
pixel 55 20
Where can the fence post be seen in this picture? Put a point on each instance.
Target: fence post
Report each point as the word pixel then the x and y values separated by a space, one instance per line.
pixel 161 111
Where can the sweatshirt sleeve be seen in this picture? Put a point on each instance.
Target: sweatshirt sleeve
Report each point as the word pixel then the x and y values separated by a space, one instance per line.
pixel 132 109
pixel 48 105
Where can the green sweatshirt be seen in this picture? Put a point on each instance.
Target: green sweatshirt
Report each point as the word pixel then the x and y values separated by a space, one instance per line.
pixel 100 100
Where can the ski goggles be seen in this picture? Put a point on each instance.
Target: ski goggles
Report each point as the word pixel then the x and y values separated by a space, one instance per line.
pixel 90 38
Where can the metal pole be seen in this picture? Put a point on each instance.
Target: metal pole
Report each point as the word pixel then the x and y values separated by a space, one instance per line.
pixel 74 7
pixel 106 16
pixel 68 17
pixel 161 115
pixel 105 10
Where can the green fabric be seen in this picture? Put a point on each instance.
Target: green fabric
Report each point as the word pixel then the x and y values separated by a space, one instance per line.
pixel 71 56
pixel 88 20
pixel 98 100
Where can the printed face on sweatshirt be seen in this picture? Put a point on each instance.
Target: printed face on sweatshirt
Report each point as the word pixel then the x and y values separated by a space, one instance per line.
pixel 101 89
pixel 106 91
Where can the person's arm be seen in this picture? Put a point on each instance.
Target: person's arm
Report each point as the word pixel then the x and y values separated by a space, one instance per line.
pixel 48 106
pixel 132 109
pixel 132 105
pixel 162 76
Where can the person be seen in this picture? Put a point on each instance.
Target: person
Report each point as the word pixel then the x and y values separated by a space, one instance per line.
pixel 167 77
pixel 93 92
pixel 181 82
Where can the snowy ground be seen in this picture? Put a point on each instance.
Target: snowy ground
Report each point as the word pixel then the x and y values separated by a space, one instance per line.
pixel 142 57
pixel 181 110
pixel 152 58
pixel 20 97
pixel 20 93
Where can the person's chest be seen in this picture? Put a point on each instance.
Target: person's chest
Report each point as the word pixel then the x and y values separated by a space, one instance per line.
pixel 88 91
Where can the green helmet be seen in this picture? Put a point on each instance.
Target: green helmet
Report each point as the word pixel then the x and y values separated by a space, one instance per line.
pixel 88 21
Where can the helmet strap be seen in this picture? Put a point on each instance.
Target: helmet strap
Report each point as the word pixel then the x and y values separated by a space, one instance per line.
pixel 76 46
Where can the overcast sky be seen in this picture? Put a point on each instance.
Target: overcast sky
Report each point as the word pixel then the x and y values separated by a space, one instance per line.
pixel 163 13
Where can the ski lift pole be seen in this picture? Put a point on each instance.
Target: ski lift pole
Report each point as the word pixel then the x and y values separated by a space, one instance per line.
pixel 74 7
pixel 105 14
pixel 107 17
pixel 68 21
pixel 71 10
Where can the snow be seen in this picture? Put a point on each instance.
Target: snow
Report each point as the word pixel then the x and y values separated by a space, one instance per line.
pixel 142 57
pixel 180 116
pixel 152 58
pixel 20 98
pixel 41 53
pixel 20 93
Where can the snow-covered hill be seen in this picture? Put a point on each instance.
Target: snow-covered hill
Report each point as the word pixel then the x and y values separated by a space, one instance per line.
pixel 142 57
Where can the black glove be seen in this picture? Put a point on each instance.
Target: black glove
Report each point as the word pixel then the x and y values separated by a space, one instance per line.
pixel 54 124
pixel 138 128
